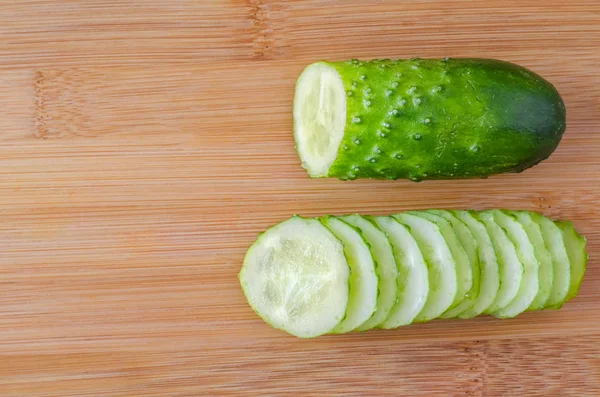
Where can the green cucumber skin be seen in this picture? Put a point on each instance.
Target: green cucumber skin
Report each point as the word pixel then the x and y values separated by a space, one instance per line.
pixel 444 119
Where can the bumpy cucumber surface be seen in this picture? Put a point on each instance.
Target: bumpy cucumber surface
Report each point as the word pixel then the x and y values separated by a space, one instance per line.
pixel 424 119
pixel 309 277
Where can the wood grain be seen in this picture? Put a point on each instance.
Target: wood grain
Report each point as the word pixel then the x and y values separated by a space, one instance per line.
pixel 145 143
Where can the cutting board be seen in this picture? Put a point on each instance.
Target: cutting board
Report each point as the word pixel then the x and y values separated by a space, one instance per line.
pixel 144 144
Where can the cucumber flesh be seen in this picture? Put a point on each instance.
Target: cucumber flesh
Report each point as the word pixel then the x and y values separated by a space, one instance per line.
pixel 489 269
pixel 441 266
pixel 413 283
pixel 464 276
pixel 575 246
pixel 469 244
pixel 295 277
pixel 511 268
pixel 526 253
pixel 387 271
pixel 362 298
pixel 546 272
pixel 553 237
pixel 319 117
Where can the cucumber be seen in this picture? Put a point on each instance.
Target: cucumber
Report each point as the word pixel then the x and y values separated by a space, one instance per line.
pixel 413 283
pixel 546 273
pixel 311 277
pixel 295 277
pixel 362 297
pixel 464 276
pixel 553 238
pixel 441 266
pixel 469 244
pixel 386 269
pixel 423 118
pixel 511 268
pixel 489 268
pixel 575 246
pixel 526 253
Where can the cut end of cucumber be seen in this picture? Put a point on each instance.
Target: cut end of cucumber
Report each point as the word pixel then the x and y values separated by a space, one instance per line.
pixel 319 117
pixel 295 277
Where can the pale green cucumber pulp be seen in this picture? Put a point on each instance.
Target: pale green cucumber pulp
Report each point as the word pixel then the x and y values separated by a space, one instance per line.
pixel 511 268
pixel 546 271
pixel 413 283
pixel 553 237
pixel 295 277
pixel 362 297
pixel 440 265
pixel 469 245
pixel 464 274
pixel 386 268
pixel 489 269
pixel 529 286
pixel 320 99
pixel 575 246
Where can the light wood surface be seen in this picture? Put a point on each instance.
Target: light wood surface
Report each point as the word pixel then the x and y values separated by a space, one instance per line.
pixel 144 144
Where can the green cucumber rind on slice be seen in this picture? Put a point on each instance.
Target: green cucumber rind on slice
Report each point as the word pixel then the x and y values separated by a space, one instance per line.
pixel 464 274
pixel 511 268
pixel 363 281
pixel 440 264
pixel 272 289
pixel 529 285
pixel 413 282
pixel 575 246
pixel 488 262
pixel 553 237
pixel 386 268
pixel 546 271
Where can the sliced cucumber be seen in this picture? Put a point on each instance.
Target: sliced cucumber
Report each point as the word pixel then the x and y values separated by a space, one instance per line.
pixel 489 270
pixel 441 266
pixel 362 298
pixel 387 271
pixel 469 244
pixel 511 268
pixel 464 274
pixel 526 254
pixel 295 277
pixel 575 245
pixel 553 237
pixel 546 272
pixel 319 117
pixel 413 284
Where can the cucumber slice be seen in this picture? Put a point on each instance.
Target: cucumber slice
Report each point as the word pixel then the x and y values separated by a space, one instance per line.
pixel 553 237
pixel 511 268
pixel 469 244
pixel 489 268
pixel 319 117
pixel 464 276
pixel 575 245
pixel 546 273
pixel 362 298
pixel 441 266
pixel 413 283
pixel 295 277
pixel 386 269
pixel 526 254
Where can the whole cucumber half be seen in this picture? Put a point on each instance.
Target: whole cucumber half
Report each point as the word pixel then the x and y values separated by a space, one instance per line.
pixel 424 118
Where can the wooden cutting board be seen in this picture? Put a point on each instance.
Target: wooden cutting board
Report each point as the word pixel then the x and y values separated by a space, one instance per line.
pixel 144 144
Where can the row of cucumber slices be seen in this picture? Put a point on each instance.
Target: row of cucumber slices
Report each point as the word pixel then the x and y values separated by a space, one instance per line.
pixel 315 276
